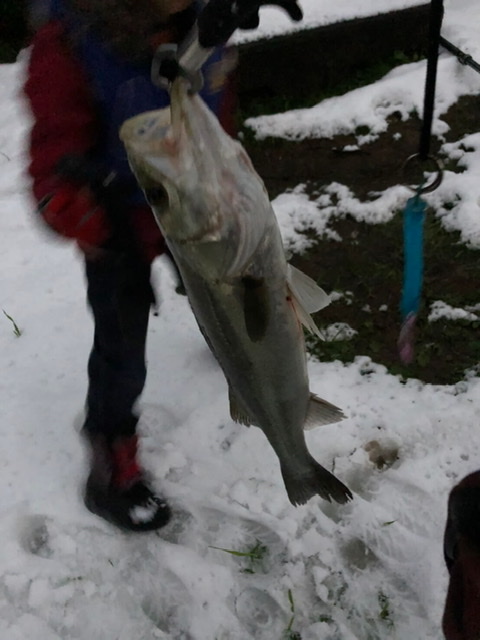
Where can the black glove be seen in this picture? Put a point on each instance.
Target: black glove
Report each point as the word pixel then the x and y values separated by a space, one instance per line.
pixel 107 190
pixel 82 171
pixel 220 18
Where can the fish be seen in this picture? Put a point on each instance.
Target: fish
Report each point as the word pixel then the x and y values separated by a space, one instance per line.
pixel 249 302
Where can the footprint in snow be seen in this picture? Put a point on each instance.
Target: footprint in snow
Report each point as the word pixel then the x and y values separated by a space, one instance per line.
pixel 169 605
pixel 34 535
pixel 241 535
pixel 355 553
pixel 260 614
pixel 176 531
pixel 412 506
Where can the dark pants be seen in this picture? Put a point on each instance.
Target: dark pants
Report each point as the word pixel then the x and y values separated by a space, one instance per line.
pixel 120 295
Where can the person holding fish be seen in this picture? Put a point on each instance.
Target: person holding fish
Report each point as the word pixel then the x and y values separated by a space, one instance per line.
pixel 89 70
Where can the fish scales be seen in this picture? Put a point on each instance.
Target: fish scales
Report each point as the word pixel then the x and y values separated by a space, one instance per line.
pixel 215 214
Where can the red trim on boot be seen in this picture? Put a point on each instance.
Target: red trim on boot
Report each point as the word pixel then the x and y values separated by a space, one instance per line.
pixel 125 467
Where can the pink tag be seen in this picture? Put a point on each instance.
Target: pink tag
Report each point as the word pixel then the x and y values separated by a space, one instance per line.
pixel 406 339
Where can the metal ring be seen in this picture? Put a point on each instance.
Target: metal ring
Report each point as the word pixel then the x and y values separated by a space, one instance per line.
pixel 436 182
pixel 166 67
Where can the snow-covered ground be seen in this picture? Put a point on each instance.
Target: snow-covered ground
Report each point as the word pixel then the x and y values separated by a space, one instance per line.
pixel 370 570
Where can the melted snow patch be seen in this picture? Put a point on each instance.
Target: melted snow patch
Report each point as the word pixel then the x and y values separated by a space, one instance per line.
pixel 338 331
pixel 346 296
pixel 303 220
pixel 440 309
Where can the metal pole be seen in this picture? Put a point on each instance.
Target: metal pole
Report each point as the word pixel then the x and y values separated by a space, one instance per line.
pixel 436 17
pixel 464 58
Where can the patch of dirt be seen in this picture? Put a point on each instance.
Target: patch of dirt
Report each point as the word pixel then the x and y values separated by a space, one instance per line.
pixel 369 260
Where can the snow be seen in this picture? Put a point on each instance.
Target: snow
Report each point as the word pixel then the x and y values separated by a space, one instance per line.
pixel 372 569
pixel 338 331
pixel 440 309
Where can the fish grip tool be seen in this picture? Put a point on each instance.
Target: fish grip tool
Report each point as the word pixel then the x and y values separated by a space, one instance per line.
pixel 186 59
pixel 414 212
pixel 216 23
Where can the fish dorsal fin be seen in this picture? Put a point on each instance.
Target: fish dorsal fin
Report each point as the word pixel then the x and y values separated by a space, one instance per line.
pixel 321 412
pixel 307 297
pixel 237 413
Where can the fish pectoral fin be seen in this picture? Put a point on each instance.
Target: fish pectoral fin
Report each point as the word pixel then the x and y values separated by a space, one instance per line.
pixel 255 307
pixel 321 412
pixel 237 413
pixel 307 297
pixel 306 290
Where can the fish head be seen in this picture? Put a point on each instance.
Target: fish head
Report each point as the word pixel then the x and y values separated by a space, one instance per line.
pixel 200 182
pixel 164 159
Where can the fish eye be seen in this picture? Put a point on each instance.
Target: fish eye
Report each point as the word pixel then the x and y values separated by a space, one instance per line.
pixel 156 196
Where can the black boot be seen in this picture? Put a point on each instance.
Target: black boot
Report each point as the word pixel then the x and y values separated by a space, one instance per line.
pixel 117 489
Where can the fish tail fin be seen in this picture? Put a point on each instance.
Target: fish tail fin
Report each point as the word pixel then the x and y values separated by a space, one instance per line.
pixel 318 481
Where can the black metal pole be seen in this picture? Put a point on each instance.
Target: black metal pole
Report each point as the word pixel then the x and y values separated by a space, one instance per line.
pixel 436 18
pixel 463 57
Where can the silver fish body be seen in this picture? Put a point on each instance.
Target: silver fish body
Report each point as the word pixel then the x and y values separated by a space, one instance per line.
pixel 248 302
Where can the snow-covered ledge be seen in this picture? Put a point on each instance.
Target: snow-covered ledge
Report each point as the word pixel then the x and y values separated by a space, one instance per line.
pixel 319 13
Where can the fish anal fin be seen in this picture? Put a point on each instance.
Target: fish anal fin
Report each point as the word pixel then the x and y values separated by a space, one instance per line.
pixel 237 413
pixel 305 318
pixel 321 412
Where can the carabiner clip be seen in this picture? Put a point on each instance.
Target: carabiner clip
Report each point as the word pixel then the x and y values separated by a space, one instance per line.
pixel 436 182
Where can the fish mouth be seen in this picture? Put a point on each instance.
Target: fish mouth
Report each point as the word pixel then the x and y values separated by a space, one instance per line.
pixel 153 148
pixel 150 131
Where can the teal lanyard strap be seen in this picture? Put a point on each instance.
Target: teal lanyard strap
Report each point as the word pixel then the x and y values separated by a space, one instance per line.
pixel 413 219
pixel 414 213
